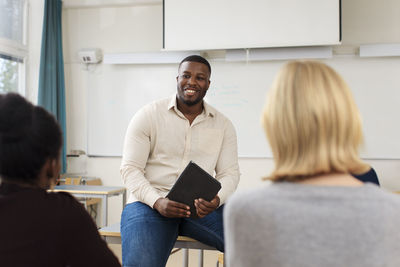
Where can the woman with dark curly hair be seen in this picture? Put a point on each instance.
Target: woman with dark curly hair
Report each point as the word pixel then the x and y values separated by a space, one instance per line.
pixel 39 228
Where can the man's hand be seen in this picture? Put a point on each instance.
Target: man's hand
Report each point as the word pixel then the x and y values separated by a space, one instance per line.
pixel 171 209
pixel 204 207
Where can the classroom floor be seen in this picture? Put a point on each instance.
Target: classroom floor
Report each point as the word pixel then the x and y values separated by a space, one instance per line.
pixel 176 259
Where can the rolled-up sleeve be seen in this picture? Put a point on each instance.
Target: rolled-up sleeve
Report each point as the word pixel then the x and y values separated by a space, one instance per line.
pixel 227 168
pixel 135 154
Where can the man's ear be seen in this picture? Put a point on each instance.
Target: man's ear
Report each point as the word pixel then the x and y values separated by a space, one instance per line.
pixel 177 78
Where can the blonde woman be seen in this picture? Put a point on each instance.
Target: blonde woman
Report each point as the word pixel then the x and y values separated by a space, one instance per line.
pixel 315 213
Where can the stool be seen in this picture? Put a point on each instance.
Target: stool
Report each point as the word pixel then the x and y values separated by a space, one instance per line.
pixel 112 235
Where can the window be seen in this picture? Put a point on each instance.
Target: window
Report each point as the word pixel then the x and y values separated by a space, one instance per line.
pixel 10 74
pixel 13 49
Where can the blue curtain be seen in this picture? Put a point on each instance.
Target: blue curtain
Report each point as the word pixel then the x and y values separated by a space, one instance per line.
pixel 51 75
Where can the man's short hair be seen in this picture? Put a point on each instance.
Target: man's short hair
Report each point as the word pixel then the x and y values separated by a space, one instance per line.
pixel 196 58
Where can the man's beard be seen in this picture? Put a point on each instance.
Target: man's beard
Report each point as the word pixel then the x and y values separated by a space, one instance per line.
pixel 189 102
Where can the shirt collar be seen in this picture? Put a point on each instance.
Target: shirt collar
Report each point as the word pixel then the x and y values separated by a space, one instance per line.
pixel 208 110
pixel 172 103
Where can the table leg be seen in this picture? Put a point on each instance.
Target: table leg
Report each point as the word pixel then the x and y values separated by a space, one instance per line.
pixel 104 211
pixel 185 257
pixel 123 199
pixel 201 257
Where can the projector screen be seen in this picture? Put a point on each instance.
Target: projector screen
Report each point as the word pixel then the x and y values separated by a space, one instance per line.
pixel 229 24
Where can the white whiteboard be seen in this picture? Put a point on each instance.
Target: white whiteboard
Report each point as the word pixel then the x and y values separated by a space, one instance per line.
pixel 227 24
pixel 238 90
pixel 115 93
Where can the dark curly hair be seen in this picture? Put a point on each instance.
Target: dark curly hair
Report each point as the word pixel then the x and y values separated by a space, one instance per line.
pixel 29 135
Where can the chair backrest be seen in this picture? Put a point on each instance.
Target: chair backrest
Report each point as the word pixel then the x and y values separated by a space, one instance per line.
pixel 73 180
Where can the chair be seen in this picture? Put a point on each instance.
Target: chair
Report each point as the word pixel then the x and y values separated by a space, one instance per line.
pixel 89 203
pixel 112 235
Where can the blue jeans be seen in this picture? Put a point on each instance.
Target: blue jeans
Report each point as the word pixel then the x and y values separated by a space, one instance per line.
pixel 148 237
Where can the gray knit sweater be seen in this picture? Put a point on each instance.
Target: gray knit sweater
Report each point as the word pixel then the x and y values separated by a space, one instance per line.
pixel 287 224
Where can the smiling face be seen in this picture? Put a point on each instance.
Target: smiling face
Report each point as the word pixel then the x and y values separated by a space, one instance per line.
pixel 192 82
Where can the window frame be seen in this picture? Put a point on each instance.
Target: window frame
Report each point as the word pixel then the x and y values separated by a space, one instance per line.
pixel 19 51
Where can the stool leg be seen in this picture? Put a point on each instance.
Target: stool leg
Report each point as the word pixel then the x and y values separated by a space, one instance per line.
pixel 185 257
pixel 201 258
pixel 221 258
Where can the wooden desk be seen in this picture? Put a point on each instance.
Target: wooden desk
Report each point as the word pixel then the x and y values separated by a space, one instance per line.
pixel 95 191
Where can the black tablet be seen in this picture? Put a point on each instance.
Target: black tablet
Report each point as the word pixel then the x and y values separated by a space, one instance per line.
pixel 194 183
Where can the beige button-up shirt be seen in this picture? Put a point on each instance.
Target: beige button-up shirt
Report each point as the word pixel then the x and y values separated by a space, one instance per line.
pixel 160 142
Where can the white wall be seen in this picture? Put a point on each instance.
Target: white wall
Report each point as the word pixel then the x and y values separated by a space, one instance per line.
pixel 135 28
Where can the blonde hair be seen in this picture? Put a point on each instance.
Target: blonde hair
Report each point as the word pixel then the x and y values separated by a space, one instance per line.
pixel 312 123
